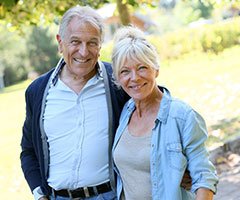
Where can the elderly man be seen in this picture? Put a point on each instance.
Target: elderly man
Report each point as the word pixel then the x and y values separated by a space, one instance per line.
pixel 72 113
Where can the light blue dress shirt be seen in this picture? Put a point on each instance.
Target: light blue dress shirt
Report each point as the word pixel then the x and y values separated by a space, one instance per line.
pixel 177 144
pixel 76 126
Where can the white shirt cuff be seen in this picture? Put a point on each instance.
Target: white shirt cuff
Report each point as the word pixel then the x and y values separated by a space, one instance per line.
pixel 37 193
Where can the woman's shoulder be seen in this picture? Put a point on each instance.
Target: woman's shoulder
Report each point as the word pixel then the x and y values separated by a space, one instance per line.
pixel 179 108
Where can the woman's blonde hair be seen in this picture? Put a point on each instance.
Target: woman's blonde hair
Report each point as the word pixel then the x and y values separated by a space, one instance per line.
pixel 130 43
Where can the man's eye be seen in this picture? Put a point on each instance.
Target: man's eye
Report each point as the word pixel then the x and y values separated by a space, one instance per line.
pixel 93 44
pixel 74 42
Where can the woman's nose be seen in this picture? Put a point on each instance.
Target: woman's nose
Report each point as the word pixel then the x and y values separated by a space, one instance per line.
pixel 134 75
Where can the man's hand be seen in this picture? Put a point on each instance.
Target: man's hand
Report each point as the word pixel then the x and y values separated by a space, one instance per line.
pixel 204 194
pixel 43 198
pixel 186 181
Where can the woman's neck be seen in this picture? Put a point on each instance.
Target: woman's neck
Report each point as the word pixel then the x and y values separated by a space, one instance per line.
pixel 150 104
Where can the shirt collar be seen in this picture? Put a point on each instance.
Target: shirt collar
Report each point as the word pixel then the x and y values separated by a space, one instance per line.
pixel 60 65
pixel 164 105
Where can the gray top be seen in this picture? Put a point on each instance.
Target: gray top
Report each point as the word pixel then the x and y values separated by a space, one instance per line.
pixel 132 158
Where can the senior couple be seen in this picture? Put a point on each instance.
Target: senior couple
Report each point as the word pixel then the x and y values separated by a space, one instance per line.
pixel 92 133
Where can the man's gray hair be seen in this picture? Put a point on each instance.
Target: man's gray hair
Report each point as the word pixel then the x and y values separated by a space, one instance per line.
pixel 84 13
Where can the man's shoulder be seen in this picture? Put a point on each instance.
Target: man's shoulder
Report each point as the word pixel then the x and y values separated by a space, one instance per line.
pixel 108 67
pixel 107 64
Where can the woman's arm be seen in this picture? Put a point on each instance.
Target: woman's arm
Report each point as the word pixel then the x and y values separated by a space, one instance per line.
pixel 204 194
pixel 202 171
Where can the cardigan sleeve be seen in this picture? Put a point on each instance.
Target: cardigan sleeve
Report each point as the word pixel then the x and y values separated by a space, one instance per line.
pixel 28 157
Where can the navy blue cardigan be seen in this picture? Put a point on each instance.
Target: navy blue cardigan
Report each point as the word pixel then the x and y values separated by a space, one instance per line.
pixel 32 156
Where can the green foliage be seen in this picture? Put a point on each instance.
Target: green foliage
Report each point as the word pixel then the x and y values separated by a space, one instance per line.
pixel 189 11
pixel 13 75
pixel 8 3
pixel 18 14
pixel 214 38
pixel 221 36
pixel 209 38
pixel 205 8
pixel 42 50
pixel 37 51
pixel 13 61
pixel 106 52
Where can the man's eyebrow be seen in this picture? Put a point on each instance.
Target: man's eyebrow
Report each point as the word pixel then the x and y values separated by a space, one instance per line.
pixel 74 37
pixel 91 39
pixel 94 38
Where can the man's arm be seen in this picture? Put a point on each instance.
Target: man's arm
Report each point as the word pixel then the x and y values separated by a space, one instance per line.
pixel 186 181
pixel 29 161
pixel 204 194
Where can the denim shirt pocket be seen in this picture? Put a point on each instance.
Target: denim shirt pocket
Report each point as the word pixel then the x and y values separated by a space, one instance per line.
pixel 177 159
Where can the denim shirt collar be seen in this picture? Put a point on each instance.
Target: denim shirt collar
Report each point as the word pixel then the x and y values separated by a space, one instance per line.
pixel 164 105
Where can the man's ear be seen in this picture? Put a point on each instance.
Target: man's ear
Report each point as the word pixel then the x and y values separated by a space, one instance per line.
pixel 58 37
pixel 157 73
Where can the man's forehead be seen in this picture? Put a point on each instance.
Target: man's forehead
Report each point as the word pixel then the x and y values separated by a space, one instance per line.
pixel 83 29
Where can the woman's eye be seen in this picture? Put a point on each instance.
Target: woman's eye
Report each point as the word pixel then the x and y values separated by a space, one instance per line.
pixel 124 71
pixel 142 67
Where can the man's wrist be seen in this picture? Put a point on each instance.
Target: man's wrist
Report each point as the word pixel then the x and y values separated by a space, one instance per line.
pixel 37 193
pixel 43 198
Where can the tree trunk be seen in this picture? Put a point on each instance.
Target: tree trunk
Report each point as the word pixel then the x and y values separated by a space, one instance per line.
pixel 123 12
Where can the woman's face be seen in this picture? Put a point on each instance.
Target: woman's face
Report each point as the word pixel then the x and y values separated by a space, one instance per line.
pixel 137 79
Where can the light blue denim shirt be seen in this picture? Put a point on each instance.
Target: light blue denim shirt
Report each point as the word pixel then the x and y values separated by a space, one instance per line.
pixel 177 144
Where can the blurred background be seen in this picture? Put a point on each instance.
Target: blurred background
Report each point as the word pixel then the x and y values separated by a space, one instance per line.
pixel 198 45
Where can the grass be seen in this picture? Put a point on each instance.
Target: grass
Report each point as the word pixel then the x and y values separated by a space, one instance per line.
pixel 12 183
pixel 210 83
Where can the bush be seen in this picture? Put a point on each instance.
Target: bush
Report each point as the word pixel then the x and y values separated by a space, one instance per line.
pixel 214 38
pixel 208 38
pixel 217 37
pixel 42 50
pixel 13 61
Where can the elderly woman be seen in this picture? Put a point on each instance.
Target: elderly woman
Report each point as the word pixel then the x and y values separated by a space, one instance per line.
pixel 158 137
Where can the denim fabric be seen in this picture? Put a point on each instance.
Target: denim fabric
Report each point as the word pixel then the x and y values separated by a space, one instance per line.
pixel 177 144
pixel 104 196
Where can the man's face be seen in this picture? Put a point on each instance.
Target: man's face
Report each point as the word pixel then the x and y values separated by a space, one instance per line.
pixel 80 47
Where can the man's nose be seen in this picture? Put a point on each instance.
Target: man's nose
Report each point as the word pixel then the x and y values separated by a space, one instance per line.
pixel 83 50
